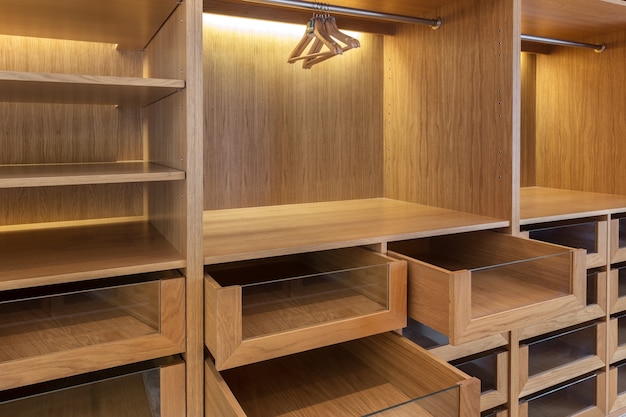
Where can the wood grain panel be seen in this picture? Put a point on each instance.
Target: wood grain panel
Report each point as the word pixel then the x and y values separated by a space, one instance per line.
pixel 448 138
pixel 56 204
pixel 528 128
pixel 582 118
pixel 278 134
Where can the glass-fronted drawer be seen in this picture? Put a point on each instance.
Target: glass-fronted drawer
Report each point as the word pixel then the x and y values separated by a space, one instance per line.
pixel 473 285
pixel 257 310
pixel 67 329
pixel 557 357
pixel 617 240
pixel 382 375
pixel 617 387
pixel 492 369
pixel 589 234
pixel 617 288
pixel 146 389
pixel 581 397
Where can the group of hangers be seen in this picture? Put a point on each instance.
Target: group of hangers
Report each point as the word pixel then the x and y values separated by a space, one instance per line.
pixel 322 30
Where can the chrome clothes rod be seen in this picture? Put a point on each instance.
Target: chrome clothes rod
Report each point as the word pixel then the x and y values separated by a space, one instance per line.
pixel 540 39
pixel 323 7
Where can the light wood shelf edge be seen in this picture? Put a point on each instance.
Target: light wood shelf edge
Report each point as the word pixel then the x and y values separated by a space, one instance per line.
pixel 45 175
pixel 249 233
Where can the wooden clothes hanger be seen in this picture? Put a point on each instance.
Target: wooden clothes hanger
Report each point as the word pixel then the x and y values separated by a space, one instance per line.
pixel 322 30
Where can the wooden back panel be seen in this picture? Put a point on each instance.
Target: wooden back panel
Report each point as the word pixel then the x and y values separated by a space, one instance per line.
pixel 276 133
pixel 581 118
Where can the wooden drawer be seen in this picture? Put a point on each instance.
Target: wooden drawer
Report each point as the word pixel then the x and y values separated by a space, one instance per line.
pixel 68 329
pixel 617 242
pixel 617 288
pixel 557 357
pixel 617 387
pixel 258 310
pixel 582 397
pixel 492 369
pixel 139 390
pixel 589 234
pixel 495 413
pixel 473 285
pixel 355 378
pixel 617 338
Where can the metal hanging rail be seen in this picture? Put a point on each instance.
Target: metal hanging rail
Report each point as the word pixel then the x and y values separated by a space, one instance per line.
pixel 305 5
pixel 550 41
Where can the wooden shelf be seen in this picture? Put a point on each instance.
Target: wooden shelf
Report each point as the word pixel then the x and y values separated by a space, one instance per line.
pixel 73 253
pixel 350 379
pixel 539 204
pixel 41 87
pixel 49 175
pixel 249 233
pixel 131 25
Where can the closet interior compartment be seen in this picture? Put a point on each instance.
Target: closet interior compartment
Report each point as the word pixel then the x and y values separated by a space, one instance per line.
pixel 357 378
pixel 261 309
pixel 556 357
pixel 589 234
pixel 64 329
pixel 469 286
pixel 145 389
pixel 618 238
pixel 584 397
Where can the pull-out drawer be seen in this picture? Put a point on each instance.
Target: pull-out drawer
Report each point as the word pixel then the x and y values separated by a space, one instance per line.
pixel 473 285
pixel 382 375
pixel 69 329
pixel 617 288
pixel 617 338
pixel 617 387
pixel 495 413
pixel 582 397
pixel 155 388
pixel 589 234
pixel 557 357
pixel 492 369
pixel 618 238
pixel 257 310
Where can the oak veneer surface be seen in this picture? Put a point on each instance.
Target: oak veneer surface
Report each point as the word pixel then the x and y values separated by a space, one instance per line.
pixel 65 254
pixel 231 235
pixel 95 173
pixel 541 204
pixel 129 24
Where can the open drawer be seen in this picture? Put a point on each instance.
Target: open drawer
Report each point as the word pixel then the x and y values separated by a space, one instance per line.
pixel 382 375
pixel 262 309
pixel 62 330
pixel 589 234
pixel 560 356
pixel 154 388
pixel 472 285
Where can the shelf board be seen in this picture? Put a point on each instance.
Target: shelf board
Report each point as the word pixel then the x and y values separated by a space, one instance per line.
pixel 73 253
pixel 42 87
pixel 540 204
pixel 47 175
pixel 249 233
pixel 131 25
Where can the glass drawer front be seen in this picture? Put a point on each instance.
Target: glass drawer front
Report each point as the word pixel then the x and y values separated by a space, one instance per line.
pixel 565 400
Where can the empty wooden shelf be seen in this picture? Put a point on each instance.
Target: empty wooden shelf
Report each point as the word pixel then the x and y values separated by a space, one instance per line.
pixel 250 233
pixel 557 357
pixel 41 87
pixel 34 257
pixel 257 310
pixel 49 175
pixel 355 378
pixel 587 233
pixel 473 285
pixel 582 397
pixel 141 390
pixel 62 330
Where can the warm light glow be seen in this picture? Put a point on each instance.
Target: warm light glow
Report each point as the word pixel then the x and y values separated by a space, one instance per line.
pixel 261 26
